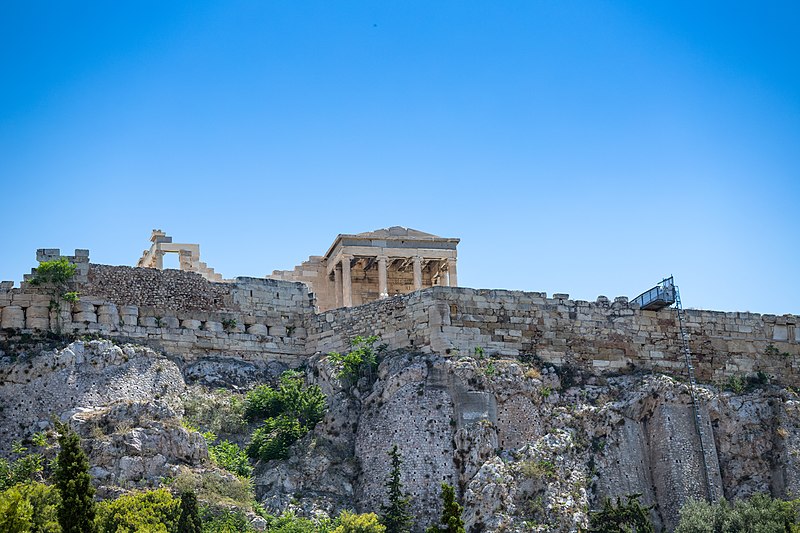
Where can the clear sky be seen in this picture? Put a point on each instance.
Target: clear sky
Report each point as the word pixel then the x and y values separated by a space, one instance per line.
pixel 581 147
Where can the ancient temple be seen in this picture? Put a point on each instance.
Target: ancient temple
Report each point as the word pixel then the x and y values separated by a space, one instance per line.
pixel 365 267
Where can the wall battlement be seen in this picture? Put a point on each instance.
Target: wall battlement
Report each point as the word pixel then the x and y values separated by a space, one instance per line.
pixel 186 315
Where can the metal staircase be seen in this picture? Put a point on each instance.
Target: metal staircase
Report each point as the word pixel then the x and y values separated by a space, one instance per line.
pixel 698 423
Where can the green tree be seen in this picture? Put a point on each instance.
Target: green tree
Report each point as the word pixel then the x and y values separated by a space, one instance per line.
pixel 451 521
pixel 189 520
pixel 621 517
pixel 359 523
pixel 76 510
pixel 395 515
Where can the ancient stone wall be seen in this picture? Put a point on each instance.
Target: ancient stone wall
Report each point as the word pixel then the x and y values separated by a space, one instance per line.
pixel 178 312
pixel 602 335
pixel 182 313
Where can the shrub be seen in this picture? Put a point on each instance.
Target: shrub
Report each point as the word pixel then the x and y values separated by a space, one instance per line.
pixel 214 486
pixel 621 517
pixel 26 467
pixel 231 457
pixel 225 521
pixel 361 361
pixel 359 523
pixel 288 522
pixel 153 510
pixel 538 469
pixel 29 506
pixel 218 411
pixel 759 514
pixel 272 440
pixel 262 402
pixel 293 411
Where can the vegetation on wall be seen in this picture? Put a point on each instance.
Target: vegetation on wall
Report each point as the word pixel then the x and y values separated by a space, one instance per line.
pixel 361 361
pixel 55 276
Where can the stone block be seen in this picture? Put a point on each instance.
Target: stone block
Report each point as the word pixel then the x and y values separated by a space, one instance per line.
pixel 85 316
pixel 258 329
pixel 190 323
pixel 170 322
pixel 211 325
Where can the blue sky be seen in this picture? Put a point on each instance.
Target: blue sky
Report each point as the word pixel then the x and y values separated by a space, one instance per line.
pixel 581 147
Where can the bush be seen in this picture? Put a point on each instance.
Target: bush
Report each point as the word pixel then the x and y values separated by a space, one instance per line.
pixel 214 486
pixel 231 457
pixel 262 402
pixel 359 523
pixel 272 440
pixel 293 410
pixel 288 522
pixel 224 521
pixel 26 467
pixel 29 506
pixel 153 510
pixel 759 514
pixel 621 517
pixel 218 411
pixel 361 361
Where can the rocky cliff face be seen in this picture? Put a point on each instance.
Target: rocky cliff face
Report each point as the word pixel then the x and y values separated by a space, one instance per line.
pixel 528 446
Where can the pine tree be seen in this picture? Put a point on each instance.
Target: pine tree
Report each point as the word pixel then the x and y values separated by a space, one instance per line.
pixel 76 510
pixel 189 521
pixel 395 515
pixel 451 521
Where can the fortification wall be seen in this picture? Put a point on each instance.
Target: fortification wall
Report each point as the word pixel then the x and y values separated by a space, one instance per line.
pixel 178 312
pixel 603 336
pixel 186 315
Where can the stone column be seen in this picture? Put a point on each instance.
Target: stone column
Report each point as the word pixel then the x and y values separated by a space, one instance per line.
pixel 337 285
pixel 417 272
pixel 347 284
pixel 383 283
pixel 158 255
pixel 451 272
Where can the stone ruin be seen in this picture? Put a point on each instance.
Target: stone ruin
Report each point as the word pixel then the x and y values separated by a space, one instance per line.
pixel 189 256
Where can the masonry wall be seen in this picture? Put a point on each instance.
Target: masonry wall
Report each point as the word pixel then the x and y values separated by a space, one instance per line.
pixel 178 312
pixel 601 335
pixel 186 315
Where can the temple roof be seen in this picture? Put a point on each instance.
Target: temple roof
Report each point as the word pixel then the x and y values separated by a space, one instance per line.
pixel 395 234
pixel 396 231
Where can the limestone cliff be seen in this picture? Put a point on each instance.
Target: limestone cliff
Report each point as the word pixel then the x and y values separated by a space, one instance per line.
pixel 528 445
